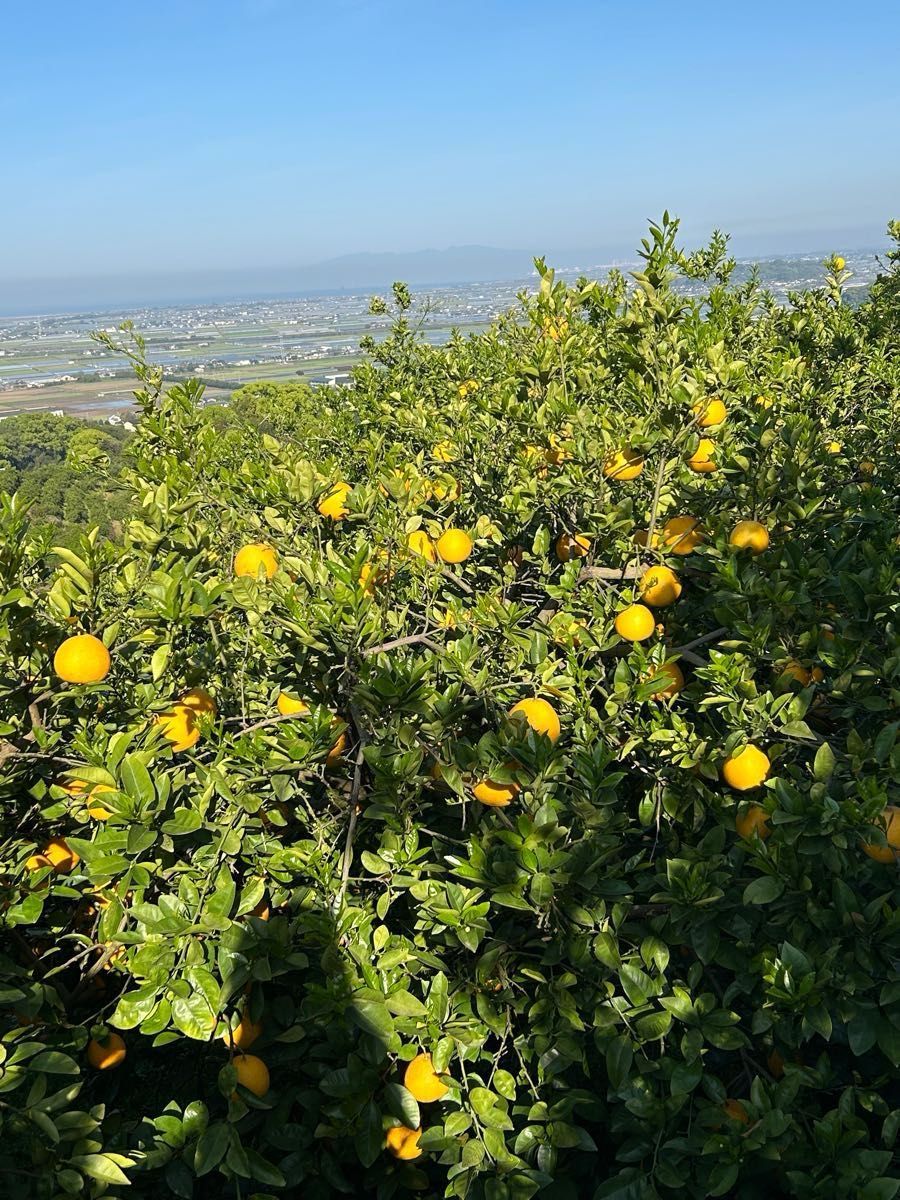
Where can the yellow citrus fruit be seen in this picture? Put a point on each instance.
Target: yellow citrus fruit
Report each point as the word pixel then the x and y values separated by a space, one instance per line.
pixel 421 1079
pixel 420 543
pixel 866 467
pixel 764 401
pixel 244 1033
pixel 660 587
pixel 445 487
pixel 106 1054
pixel 336 753
pixel 249 559
pixel 736 1111
pixel 403 1142
pixel 570 545
pixel 333 504
pixel 702 460
pixel 78 787
pixel 839 262
pixel 180 727
pixel 834 448
pixel 890 852
pixel 623 464
pixel 82 659
pixel 494 794
pixel 540 715
pixel 709 413
pixel 252 1073
pixel 796 671
pixel 752 819
pixel 746 769
pixel 640 536
pixel 681 535
pixel 749 535
pixel 199 701
pixel 454 546
pixel 291 706
pixel 443 452
pixel 56 854
pixel 672 671
pixel 635 623
pixel 261 910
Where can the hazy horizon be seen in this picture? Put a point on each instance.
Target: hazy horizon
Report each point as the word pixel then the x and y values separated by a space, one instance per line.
pixel 349 272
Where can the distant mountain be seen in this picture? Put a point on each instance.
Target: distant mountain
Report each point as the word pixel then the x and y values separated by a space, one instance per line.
pixel 349 272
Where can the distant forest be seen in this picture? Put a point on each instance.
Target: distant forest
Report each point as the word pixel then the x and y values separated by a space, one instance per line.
pixel 66 468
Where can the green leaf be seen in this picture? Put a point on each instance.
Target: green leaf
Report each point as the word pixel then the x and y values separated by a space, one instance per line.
pixel 404 1004
pixel 763 890
pixel 211 1148
pixel 55 1063
pixel 136 780
pixel 102 1167
pixel 823 765
pixel 372 1017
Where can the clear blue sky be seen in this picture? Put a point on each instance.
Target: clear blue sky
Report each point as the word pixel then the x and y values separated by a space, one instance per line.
pixel 163 134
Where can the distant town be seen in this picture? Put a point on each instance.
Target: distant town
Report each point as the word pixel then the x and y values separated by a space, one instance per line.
pixel 50 362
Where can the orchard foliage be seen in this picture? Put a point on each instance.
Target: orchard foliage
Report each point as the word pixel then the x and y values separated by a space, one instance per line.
pixel 259 831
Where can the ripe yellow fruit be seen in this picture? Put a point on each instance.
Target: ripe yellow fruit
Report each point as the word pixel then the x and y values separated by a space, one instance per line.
pixel 443 452
pixel 105 1055
pixel 624 464
pixel 494 794
pixel 403 1142
pixel 445 487
pixel 199 701
pixel 660 587
pixel 249 559
pixel 336 753
pixel 78 787
pixel 640 537
pixel 540 715
pixel 454 546
pixel 252 1073
pixel 866 467
pixel 420 543
pixel 746 769
pixel 180 727
pixel 834 448
pixel 570 545
pixel 56 854
pixel 676 680
pixel 709 413
pixel 681 535
pixel 261 909
pixel 244 1033
pixel 750 820
pixel 635 623
pixel 891 852
pixel 291 706
pixel 333 504
pixel 702 460
pixel 82 659
pixel 421 1079
pixel 749 535
pixel 839 262
pixel 801 674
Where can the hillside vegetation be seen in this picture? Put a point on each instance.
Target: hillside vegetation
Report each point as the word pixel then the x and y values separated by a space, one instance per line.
pixel 479 781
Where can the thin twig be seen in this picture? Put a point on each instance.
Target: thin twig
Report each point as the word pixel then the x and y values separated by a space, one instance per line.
pixel 707 637
pixel 354 803
pixel 411 640
pixel 461 583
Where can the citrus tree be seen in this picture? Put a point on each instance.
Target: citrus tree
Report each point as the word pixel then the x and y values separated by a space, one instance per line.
pixel 480 780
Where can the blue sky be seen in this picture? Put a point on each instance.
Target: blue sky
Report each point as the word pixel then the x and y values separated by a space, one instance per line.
pixel 192 134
